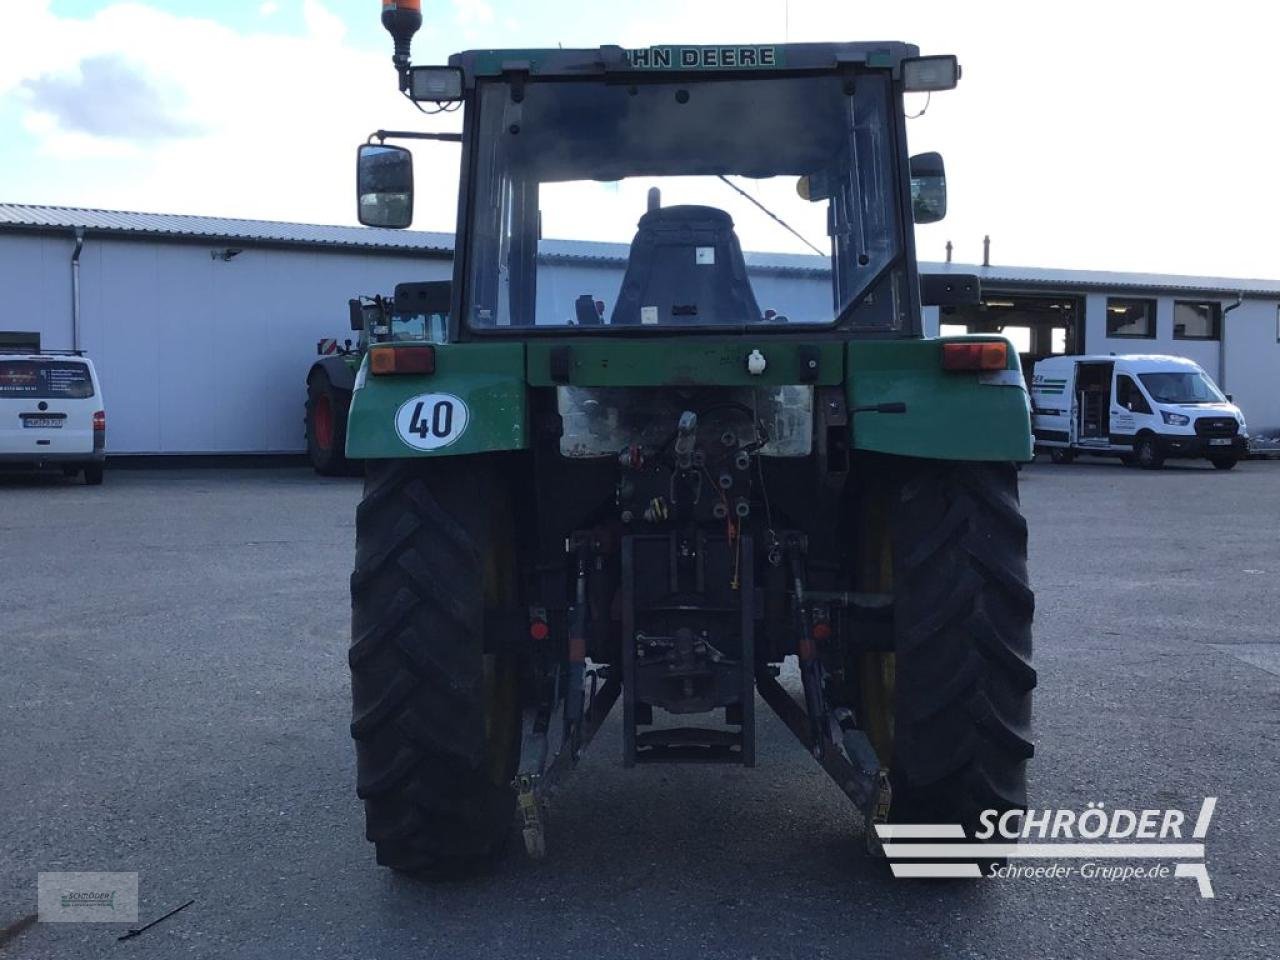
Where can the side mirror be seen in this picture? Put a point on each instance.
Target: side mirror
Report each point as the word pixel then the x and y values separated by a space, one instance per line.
pixel 1230 398
pixel 384 186
pixel 928 188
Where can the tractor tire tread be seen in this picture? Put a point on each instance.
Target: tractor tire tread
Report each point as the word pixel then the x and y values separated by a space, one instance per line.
pixel 418 716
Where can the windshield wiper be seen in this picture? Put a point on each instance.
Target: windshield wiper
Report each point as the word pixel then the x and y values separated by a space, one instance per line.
pixel 786 226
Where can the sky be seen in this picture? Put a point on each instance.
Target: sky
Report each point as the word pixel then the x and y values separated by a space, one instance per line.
pixel 1118 135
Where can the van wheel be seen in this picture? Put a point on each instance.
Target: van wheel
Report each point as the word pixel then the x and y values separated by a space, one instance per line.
pixel 93 474
pixel 1147 453
pixel 1224 463
pixel 1061 455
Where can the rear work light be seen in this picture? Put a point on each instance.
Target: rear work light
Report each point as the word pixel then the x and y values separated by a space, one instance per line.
pixel 99 420
pixel 930 73
pixel 435 84
pixel 388 360
pixel 979 355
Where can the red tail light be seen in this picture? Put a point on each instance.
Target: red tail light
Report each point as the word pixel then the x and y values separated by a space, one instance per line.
pixel 415 359
pixel 975 355
pixel 99 420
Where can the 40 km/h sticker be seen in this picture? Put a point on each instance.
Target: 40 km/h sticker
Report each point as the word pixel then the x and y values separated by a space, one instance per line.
pixel 430 421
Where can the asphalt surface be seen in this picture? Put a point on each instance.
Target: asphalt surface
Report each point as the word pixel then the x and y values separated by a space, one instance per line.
pixel 173 701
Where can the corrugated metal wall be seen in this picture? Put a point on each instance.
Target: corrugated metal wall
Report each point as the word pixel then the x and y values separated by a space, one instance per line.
pixel 195 354
pixel 203 355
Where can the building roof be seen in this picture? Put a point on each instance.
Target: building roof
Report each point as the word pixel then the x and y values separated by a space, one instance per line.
pixel 585 252
pixel 179 226
pixel 1065 281
pixel 230 230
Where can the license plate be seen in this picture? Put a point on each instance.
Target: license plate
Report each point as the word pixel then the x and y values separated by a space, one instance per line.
pixel 1220 442
pixel 53 423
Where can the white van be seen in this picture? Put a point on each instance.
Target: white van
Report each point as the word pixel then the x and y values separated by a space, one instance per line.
pixel 51 414
pixel 1143 409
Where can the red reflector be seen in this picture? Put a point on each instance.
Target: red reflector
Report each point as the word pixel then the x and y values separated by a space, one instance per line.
pixel 100 420
pixel 975 355
pixel 539 630
pixel 385 360
pixel 822 630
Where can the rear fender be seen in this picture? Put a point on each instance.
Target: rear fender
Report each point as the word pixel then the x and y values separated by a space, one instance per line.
pixel 475 402
pixel 950 415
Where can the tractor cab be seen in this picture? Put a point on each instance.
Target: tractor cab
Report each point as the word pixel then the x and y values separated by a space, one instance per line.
pixel 671 160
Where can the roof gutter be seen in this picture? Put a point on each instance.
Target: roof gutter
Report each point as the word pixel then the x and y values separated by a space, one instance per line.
pixel 75 289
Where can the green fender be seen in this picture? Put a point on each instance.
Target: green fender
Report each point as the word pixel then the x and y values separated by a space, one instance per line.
pixel 478 395
pixel 950 415
pixel 473 403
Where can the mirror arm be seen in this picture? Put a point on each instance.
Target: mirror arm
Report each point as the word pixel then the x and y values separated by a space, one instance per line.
pixel 381 135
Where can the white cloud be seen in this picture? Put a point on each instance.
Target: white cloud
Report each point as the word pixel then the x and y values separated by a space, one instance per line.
pixel 472 13
pixel 273 120
pixel 1109 136
pixel 269 9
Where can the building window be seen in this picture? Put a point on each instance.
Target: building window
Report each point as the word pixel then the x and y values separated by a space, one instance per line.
pixel 1196 320
pixel 1131 318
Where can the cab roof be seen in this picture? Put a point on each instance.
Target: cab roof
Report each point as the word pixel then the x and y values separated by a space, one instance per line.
pixel 683 58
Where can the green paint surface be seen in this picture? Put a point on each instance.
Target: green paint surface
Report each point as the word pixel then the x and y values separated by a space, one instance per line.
pixel 683 361
pixel 487 377
pixel 950 415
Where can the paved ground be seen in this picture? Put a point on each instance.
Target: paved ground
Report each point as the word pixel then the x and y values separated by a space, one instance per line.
pixel 173 701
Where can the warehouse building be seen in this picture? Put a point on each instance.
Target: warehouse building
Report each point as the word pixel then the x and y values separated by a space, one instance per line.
pixel 203 329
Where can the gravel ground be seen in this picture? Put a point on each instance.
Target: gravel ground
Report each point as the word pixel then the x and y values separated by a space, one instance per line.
pixel 174 702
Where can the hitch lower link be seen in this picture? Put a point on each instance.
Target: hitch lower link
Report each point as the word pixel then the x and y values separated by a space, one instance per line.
pixel 583 711
pixel 832 736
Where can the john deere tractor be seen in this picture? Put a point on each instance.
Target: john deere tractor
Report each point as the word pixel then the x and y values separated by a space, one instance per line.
pixel 656 470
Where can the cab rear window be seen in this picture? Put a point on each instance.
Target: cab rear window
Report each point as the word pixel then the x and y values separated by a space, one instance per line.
pixel 45 380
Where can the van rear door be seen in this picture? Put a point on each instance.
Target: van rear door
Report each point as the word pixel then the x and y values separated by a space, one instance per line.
pixel 46 406
pixel 1051 391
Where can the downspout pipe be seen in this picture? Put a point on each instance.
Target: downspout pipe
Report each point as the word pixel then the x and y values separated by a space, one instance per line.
pixel 1222 343
pixel 75 290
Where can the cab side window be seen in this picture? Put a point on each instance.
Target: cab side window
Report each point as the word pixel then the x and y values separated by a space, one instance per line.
pixel 1129 396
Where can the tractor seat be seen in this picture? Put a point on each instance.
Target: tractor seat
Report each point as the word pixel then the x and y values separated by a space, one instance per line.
pixel 686 268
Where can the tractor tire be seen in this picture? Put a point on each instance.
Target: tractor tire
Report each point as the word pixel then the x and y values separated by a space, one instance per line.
pixel 962 623
pixel 326 422
pixel 1146 453
pixel 435 718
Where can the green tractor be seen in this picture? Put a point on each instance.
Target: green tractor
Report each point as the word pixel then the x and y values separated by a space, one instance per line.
pixel 658 489
pixel 414 314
